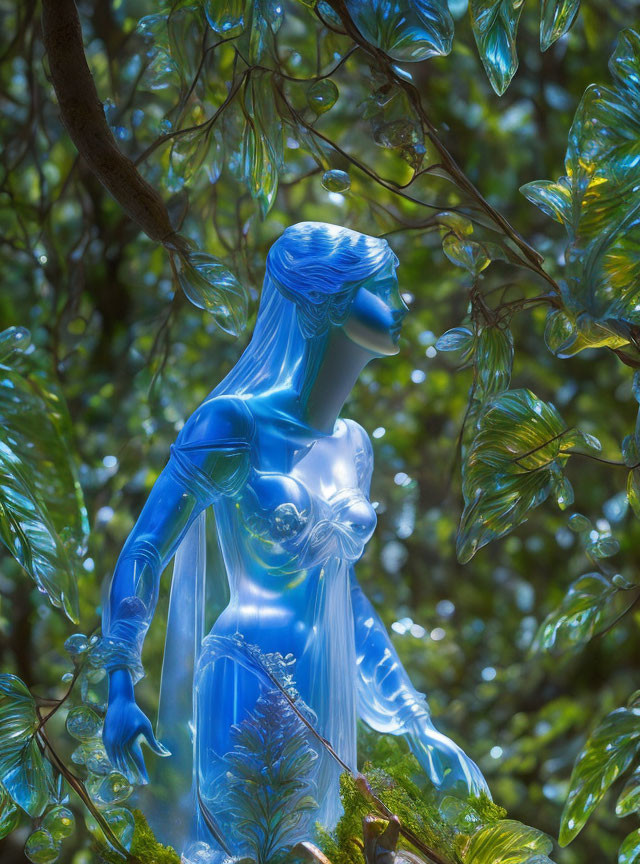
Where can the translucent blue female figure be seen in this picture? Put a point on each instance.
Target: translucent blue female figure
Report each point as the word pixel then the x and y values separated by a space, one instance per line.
pixel 288 483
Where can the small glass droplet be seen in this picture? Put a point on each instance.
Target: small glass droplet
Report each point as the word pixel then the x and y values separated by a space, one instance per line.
pixel 76 644
pixel 41 848
pixel 322 95
pixel 336 181
pixel 59 822
pixel 83 723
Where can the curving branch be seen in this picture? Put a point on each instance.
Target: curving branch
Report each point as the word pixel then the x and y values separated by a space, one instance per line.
pixel 83 115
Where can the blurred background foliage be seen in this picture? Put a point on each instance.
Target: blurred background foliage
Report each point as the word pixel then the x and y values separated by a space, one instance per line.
pixel 112 332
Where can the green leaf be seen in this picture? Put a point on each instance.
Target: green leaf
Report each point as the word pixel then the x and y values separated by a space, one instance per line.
pixel 225 17
pixel 212 287
pixel 629 852
pixel 494 360
pixel 629 799
pixel 9 815
pixel 610 750
pixel 556 18
pixel 263 141
pixel 22 769
pixel 465 253
pixel 13 339
pixel 586 610
pixel 508 842
pixel 495 25
pixel 598 205
pixel 43 521
pixel 456 339
pixel 510 467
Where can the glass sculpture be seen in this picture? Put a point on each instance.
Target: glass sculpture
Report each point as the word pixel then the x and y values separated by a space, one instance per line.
pixel 267 459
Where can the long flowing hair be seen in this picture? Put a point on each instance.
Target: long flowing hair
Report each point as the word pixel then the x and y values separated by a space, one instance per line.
pixel 313 272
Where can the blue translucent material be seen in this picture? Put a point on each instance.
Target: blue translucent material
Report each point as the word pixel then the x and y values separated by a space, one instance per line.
pixel 286 483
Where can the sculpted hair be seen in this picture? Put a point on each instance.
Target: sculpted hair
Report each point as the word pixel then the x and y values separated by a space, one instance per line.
pixel 319 267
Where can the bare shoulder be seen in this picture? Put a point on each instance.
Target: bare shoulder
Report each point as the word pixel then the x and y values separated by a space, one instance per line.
pixel 362 453
pixel 222 421
pixel 358 436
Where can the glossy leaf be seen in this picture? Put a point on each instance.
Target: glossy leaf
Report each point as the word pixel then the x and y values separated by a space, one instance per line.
pixel 465 253
pixel 225 17
pixel 556 18
pixel 629 852
pixel 587 609
pixel 629 799
pixel 13 339
pixel 493 360
pixel 262 154
pixel 212 287
pixel 407 30
pixel 508 842
pixel 43 521
pixel 610 750
pixel 22 770
pixel 495 25
pixel 9 815
pixel 456 339
pixel 597 203
pixel 520 445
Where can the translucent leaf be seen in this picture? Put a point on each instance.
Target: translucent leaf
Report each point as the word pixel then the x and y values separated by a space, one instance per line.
pixel 586 610
pixel 22 770
pixel 579 523
pixel 203 150
pixel 629 852
pixel 41 848
pixel 554 199
pixel 494 360
pixel 508 842
pixel 120 821
pixel 394 122
pixel 406 30
pixel 630 451
pixel 603 547
pixel 43 521
pixel 563 490
pixel 556 18
pixel 59 822
pixel 633 490
pixel 465 253
pixel 456 339
pixel 495 25
pixel 629 799
pixel 597 202
pixel 225 17
pixel 322 95
pixel 610 750
pixel 509 468
pixel 212 287
pixel 13 339
pixel 9 815
pixel 336 181
pixel 559 333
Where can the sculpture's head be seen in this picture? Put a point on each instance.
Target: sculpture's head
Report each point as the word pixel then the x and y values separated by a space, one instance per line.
pixel 340 278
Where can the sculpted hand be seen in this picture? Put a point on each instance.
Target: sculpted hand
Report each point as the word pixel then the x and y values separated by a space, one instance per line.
pixel 125 727
pixel 447 766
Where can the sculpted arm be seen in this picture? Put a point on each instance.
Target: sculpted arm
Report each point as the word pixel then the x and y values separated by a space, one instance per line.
pixel 208 459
